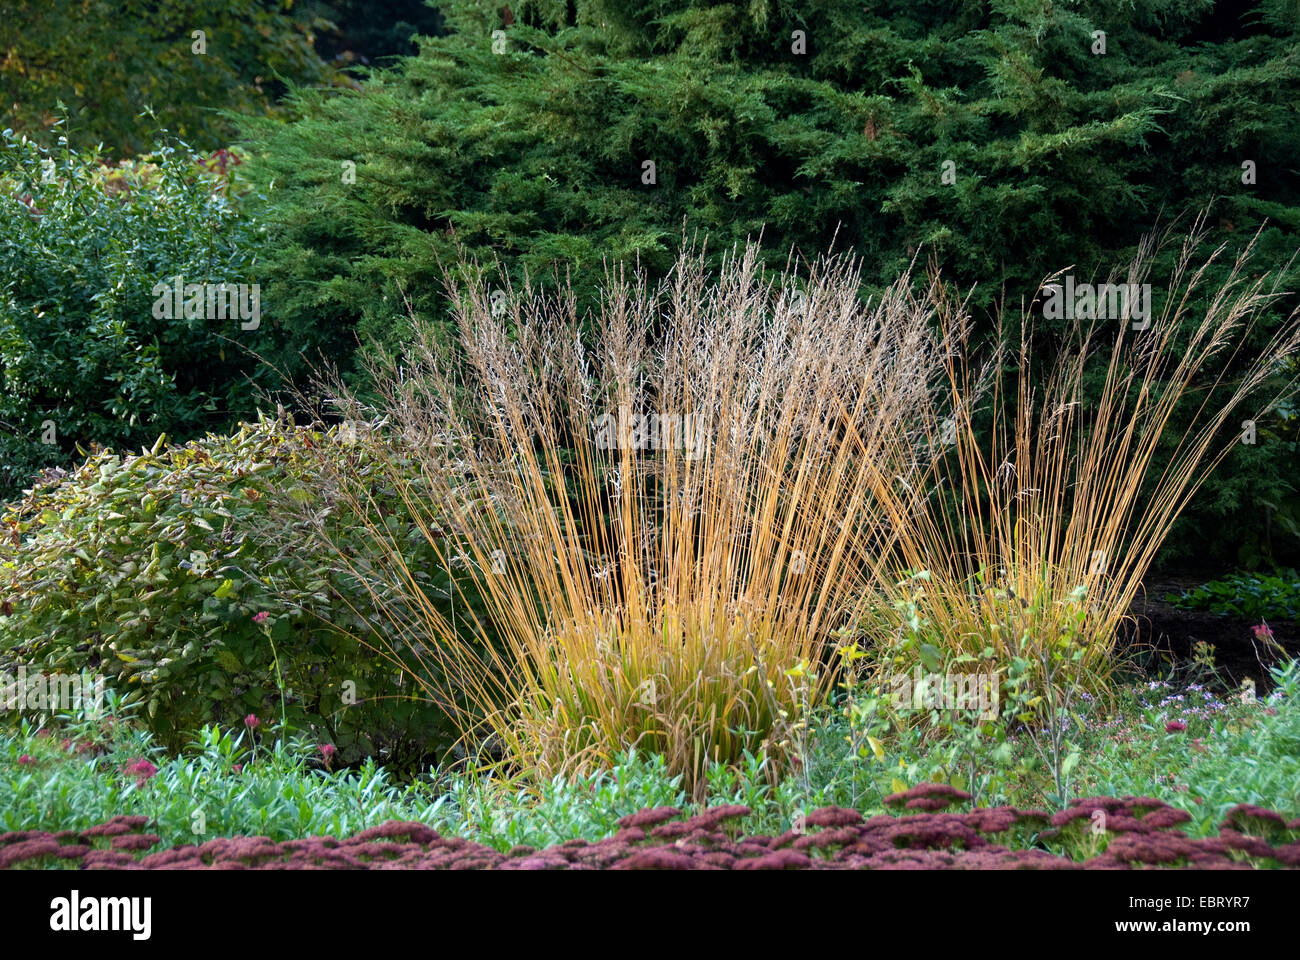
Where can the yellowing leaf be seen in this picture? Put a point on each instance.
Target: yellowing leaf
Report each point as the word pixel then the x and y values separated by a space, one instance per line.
pixel 800 670
pixel 877 748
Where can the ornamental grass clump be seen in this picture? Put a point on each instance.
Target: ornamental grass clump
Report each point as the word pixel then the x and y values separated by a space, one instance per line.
pixel 665 507
pixel 1048 511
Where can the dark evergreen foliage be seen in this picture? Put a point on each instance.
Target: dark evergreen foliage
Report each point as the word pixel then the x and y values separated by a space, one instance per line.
pixel 530 145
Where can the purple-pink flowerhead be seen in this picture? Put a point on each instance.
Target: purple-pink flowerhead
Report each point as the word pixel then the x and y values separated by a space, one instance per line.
pixel 260 617
pixel 327 751
pixel 1263 632
pixel 252 722
pixel 142 769
pixel 1175 726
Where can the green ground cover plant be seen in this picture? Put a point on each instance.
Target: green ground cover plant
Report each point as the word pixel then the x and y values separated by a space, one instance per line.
pixel 1254 596
pixel 1182 743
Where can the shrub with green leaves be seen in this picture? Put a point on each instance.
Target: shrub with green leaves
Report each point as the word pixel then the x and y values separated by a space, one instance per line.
pixel 154 570
pixel 1252 596
pixel 83 355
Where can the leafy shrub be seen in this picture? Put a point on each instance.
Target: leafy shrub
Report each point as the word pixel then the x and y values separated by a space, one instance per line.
pixel 83 357
pixel 1251 596
pixel 150 569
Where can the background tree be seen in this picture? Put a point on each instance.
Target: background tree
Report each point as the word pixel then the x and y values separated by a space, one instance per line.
pixel 364 38
pixel 124 69
pixel 1009 139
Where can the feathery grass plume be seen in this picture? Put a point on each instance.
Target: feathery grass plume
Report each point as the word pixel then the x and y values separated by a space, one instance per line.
pixel 1052 518
pixel 655 516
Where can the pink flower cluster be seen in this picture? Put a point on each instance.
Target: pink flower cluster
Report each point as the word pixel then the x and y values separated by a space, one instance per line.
pixel 1141 833
pixel 141 769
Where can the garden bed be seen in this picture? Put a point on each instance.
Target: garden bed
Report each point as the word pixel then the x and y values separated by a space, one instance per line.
pixel 1162 631
pixel 1117 833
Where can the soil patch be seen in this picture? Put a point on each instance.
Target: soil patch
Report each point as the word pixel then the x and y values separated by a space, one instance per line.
pixel 1162 634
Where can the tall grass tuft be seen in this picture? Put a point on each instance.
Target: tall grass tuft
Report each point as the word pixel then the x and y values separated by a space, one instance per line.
pixel 654 516
pixel 1044 524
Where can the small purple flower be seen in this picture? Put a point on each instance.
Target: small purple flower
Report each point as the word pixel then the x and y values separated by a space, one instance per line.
pixel 1175 726
pixel 260 617
pixel 327 751
pixel 25 759
pixel 252 722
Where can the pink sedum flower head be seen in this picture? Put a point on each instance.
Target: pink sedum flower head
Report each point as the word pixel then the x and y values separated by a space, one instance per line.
pixel 142 769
